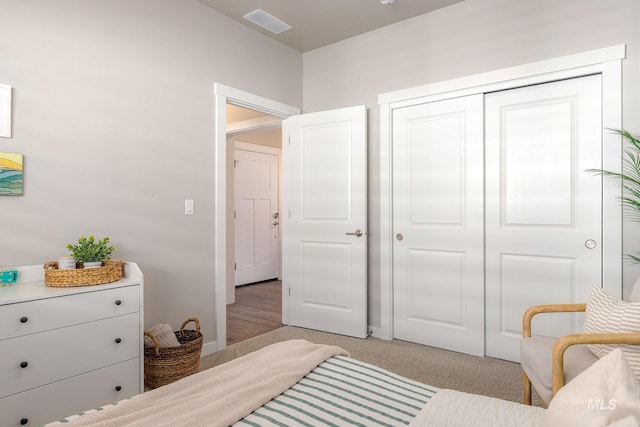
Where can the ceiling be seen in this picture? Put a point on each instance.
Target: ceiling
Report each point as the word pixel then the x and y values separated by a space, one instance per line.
pixel 240 114
pixel 270 136
pixel 317 23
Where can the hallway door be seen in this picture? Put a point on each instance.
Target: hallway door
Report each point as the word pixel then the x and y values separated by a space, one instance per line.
pixel 256 217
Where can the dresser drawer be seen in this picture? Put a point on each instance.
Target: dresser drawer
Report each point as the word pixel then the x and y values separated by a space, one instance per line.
pixel 69 397
pixel 51 313
pixel 33 360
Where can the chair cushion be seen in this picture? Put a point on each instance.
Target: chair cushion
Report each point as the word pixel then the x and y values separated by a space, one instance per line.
pixel 635 292
pixel 606 313
pixel 606 394
pixel 535 358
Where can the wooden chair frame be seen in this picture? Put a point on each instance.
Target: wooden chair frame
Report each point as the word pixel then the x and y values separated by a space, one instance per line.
pixel 557 356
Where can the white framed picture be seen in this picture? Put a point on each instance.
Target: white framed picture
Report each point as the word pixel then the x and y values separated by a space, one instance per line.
pixel 5 111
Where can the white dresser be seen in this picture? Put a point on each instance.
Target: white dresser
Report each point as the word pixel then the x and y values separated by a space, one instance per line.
pixel 65 350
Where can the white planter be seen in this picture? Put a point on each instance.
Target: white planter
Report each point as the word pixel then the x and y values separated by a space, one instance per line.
pixel 66 263
pixel 93 264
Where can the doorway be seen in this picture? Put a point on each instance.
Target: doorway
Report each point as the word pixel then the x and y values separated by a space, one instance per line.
pixel 255 303
pixel 308 134
pixel 224 196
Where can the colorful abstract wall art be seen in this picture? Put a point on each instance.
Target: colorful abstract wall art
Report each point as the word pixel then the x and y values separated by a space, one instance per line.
pixel 10 174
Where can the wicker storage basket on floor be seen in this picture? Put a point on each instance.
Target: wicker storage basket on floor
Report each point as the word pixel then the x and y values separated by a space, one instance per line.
pixel 164 365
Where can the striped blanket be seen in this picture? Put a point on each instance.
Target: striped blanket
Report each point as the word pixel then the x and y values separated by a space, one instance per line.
pixel 343 391
pixel 333 390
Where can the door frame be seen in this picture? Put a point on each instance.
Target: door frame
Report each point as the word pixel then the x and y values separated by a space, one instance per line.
pixel 606 61
pixel 223 198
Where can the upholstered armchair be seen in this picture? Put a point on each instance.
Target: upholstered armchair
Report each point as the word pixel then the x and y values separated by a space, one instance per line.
pixel 549 363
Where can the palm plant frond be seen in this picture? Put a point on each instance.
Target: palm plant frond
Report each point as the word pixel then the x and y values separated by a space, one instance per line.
pixel 628 180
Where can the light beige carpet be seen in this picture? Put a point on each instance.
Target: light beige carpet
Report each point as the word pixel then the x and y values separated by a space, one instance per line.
pixel 441 368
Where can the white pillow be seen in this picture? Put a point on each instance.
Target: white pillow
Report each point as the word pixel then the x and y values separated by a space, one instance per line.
pixel 606 313
pixel 164 334
pixel 606 394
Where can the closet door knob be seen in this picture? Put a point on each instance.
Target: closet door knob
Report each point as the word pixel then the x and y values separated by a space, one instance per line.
pixel 24 364
pixel 24 421
pixel 118 302
pixel 24 319
pixel 118 388
pixel 118 340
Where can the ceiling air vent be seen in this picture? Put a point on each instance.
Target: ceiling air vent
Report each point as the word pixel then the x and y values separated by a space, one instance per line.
pixel 267 21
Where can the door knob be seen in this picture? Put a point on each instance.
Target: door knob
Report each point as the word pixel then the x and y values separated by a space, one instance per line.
pixel 399 236
pixel 275 223
pixel 358 233
pixel 590 244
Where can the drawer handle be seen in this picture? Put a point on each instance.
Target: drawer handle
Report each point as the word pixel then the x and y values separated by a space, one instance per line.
pixel 118 340
pixel 24 421
pixel 24 319
pixel 24 364
pixel 118 388
pixel 118 302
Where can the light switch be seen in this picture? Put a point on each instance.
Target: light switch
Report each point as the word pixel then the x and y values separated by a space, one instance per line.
pixel 188 207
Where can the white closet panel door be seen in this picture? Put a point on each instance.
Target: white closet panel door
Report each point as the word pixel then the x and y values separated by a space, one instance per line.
pixel 256 229
pixel 438 224
pixel 543 211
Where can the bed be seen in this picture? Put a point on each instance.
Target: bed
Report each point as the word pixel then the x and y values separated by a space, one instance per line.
pixel 298 383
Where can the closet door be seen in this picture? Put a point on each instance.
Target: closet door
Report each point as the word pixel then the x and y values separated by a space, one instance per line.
pixel 543 211
pixel 438 224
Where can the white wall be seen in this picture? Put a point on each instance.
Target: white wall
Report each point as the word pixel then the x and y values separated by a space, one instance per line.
pixel 467 38
pixel 113 111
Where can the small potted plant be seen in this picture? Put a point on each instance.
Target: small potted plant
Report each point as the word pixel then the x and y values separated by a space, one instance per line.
pixel 91 252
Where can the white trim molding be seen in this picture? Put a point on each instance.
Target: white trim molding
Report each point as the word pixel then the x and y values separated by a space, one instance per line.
pixel 606 61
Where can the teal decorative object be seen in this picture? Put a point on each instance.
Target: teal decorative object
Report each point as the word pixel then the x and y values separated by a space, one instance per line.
pixel 8 276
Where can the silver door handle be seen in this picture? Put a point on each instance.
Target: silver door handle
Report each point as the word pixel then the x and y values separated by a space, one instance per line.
pixel 358 233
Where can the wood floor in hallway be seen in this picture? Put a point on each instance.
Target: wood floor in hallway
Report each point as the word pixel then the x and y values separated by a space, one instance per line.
pixel 257 310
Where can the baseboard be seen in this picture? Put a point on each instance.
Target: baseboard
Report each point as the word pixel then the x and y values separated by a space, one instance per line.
pixel 212 346
pixel 209 348
pixel 376 332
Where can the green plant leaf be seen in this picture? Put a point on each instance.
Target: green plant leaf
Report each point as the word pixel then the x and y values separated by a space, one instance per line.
pixel 91 250
pixel 628 180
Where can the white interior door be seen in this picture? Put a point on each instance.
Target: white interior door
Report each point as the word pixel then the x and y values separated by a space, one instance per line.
pixel 543 212
pixel 256 212
pixel 438 224
pixel 324 221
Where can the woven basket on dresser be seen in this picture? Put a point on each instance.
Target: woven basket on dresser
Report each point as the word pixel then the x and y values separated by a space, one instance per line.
pixel 111 271
pixel 164 365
